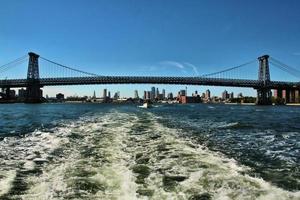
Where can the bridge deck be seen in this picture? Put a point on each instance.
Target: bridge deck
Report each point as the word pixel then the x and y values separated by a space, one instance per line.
pixel 149 80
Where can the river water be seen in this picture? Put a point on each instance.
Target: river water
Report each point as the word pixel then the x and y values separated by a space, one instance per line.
pixel 104 151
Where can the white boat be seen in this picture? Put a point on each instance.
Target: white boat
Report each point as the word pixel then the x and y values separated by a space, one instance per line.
pixel 145 105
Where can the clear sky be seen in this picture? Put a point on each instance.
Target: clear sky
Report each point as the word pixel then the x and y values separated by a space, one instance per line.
pixel 157 37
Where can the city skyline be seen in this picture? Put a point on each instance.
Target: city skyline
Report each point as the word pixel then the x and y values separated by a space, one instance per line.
pixel 106 92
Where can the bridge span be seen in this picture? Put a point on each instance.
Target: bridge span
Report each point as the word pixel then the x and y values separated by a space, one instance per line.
pixel 17 83
pixel 33 82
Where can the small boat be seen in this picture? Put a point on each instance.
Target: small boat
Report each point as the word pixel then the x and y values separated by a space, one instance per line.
pixel 146 105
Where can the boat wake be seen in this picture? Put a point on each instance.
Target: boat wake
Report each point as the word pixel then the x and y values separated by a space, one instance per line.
pixel 122 156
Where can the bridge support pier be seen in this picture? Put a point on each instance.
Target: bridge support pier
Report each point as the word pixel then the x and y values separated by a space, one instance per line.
pixel 264 94
pixel 33 91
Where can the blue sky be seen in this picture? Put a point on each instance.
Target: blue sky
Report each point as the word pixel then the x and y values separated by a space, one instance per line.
pixel 139 37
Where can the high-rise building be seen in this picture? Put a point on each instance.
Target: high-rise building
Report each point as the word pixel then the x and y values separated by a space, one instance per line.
pixel 117 95
pixel 136 94
pixel 94 95
pixel 231 95
pixel 207 94
pixel 240 95
pixel 182 93
pixel 109 94
pixel 225 94
pixel 104 93
pixel 148 96
pixel 170 95
pixel 152 95
pixel 163 93
pixel 22 93
pixel 157 93
pixel 145 94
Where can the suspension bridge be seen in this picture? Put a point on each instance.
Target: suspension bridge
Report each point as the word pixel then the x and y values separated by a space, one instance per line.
pixel 73 76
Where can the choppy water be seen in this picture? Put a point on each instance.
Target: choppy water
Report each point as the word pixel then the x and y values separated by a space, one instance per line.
pixel 98 151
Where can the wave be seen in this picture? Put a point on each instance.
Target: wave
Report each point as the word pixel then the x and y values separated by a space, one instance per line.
pixel 121 155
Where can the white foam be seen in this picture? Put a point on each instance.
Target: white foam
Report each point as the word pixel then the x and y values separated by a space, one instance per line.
pixel 111 142
pixel 6 179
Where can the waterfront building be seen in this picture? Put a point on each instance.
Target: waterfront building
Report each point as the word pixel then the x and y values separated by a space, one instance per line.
pixel 157 93
pixel 94 95
pixel 148 96
pixel 170 96
pixel 136 94
pixel 195 94
pixel 60 96
pixel 225 95
pixel 109 94
pixel 231 95
pixel 117 95
pixel 163 94
pixel 207 94
pixel 104 93
pixel 22 93
pixel 152 93
pixel 12 93
pixel 182 93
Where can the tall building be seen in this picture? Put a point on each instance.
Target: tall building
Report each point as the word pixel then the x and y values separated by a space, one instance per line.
pixel 157 93
pixel 163 93
pixel 182 93
pixel 152 96
pixel 104 93
pixel 148 96
pixel 94 95
pixel 145 94
pixel 109 94
pixel 117 95
pixel 170 95
pixel 231 95
pixel 225 94
pixel 22 93
pixel 136 94
pixel 207 94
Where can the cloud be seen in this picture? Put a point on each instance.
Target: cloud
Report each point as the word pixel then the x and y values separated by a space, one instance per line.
pixel 193 67
pixel 183 67
pixel 172 63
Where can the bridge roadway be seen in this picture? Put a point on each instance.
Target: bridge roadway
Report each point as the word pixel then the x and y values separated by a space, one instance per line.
pixel 15 83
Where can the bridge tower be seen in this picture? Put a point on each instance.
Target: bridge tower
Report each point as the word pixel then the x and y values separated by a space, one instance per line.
pixel 264 94
pixel 34 94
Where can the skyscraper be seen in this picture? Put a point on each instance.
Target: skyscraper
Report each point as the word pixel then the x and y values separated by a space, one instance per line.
pixel 182 93
pixel 94 95
pixel 104 93
pixel 117 95
pixel 170 95
pixel 152 95
pixel 207 94
pixel 157 93
pixel 136 94
pixel 109 94
pixel 148 96
pixel 225 95
pixel 163 93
